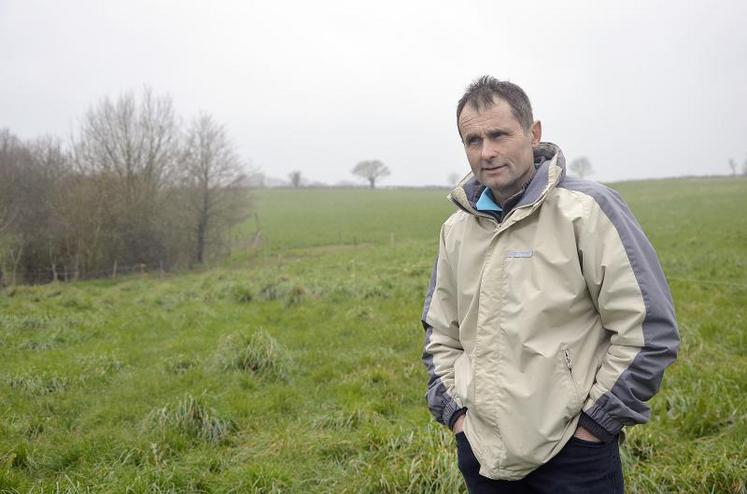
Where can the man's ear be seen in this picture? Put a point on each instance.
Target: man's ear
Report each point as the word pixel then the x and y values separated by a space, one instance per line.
pixel 536 132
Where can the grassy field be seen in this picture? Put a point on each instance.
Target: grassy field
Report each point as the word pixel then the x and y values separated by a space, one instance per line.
pixel 295 366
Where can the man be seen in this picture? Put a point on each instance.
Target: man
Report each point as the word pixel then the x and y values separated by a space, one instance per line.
pixel 548 319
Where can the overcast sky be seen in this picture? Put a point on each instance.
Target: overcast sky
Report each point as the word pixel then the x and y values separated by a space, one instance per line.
pixel 642 88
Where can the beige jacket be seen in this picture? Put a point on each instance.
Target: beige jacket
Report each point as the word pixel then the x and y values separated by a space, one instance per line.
pixel 555 313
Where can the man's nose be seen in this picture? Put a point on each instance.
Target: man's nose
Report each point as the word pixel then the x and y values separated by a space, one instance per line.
pixel 489 150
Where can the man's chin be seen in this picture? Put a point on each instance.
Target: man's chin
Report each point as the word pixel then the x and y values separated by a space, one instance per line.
pixel 493 185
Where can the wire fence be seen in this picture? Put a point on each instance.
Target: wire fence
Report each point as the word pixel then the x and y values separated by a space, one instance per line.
pixel 64 274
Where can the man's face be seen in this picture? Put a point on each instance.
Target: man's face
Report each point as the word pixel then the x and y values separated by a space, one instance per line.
pixel 498 149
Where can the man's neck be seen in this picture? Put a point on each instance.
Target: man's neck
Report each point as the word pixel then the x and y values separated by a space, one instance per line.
pixel 508 200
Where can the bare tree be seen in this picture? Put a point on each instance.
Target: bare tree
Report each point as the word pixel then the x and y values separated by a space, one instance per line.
pixel 136 140
pixel 733 166
pixel 11 155
pixel 29 181
pixel 371 170
pixel 130 147
pixel 14 163
pixel 295 178
pixel 44 224
pixel 581 167
pixel 211 168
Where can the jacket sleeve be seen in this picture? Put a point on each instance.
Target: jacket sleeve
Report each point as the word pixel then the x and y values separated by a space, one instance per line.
pixel 442 346
pixel 627 284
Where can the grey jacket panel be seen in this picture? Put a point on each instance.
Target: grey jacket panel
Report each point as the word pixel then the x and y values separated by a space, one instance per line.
pixel 624 404
pixel 441 400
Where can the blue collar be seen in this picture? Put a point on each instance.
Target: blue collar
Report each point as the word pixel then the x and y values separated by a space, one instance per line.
pixel 486 202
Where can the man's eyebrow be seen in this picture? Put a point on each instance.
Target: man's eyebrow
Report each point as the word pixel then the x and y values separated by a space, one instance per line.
pixel 470 135
pixel 497 131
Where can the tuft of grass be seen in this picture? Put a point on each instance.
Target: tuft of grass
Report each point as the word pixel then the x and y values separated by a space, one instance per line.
pixel 25 322
pixel 20 457
pixel 258 353
pixel 38 384
pixel 101 365
pixel 295 295
pixel 180 364
pixel 411 462
pixel 191 417
pixel 270 291
pixel 361 312
pixel 242 294
pixel 343 420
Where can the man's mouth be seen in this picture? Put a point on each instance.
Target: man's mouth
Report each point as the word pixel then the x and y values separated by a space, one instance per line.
pixel 492 168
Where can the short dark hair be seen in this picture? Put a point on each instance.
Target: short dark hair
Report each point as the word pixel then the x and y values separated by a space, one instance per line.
pixel 481 94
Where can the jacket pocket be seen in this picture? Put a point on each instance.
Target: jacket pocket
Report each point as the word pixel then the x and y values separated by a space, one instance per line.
pixel 566 358
pixel 462 377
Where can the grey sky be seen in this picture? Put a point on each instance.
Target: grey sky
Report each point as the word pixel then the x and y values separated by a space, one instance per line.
pixel 642 88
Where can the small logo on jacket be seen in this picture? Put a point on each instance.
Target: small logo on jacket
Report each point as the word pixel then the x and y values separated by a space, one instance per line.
pixel 519 253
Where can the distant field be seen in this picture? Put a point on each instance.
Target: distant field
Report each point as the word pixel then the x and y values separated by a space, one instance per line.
pixel 311 217
pixel 295 367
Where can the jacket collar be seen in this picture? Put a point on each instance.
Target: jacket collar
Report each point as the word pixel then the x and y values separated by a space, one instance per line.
pixel 550 169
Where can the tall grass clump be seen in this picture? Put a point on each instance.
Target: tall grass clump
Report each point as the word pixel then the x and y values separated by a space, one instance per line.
pixel 192 418
pixel 101 365
pixel 242 294
pixel 258 353
pixel 36 384
pixel 180 364
pixel 411 462
pixel 342 420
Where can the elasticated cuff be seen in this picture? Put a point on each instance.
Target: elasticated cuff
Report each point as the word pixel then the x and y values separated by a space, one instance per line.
pixel 455 416
pixel 450 407
pixel 597 430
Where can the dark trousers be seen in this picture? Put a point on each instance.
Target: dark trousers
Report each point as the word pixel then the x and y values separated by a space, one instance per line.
pixel 580 467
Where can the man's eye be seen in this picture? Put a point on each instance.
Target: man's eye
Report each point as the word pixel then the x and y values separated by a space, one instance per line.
pixel 472 141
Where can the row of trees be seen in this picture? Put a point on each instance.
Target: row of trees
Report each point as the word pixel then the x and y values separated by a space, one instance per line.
pixel 370 171
pixel 133 187
pixel 581 167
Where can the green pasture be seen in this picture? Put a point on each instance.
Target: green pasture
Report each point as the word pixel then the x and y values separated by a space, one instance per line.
pixel 295 366
pixel 288 218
